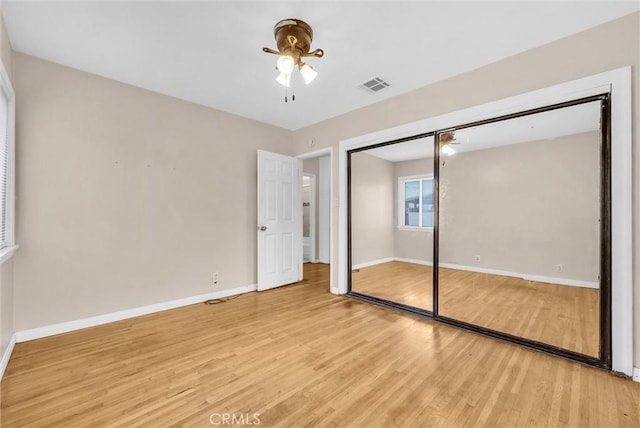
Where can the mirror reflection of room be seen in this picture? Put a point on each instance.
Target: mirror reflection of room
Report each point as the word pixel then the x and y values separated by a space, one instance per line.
pixel 392 222
pixel 519 231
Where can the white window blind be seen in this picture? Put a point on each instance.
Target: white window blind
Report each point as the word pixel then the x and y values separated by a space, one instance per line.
pixel 4 167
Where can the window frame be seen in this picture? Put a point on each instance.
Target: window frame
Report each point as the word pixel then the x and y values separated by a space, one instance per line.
pixel 7 251
pixel 401 198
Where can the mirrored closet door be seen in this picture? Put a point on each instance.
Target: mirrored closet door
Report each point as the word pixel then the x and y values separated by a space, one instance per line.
pixel 520 231
pixel 392 211
pixel 500 226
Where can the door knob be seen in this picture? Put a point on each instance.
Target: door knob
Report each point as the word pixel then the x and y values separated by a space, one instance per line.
pixel 262 228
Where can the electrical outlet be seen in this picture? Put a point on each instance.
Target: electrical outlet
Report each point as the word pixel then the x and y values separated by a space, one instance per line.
pixel 215 278
pixel 559 268
pixel 477 257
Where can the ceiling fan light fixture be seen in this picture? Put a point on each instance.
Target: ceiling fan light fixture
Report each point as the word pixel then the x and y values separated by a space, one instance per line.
pixel 293 39
pixel 286 64
pixel 308 73
pixel 284 79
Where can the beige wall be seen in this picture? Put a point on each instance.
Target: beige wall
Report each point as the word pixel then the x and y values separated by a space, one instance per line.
pixel 606 47
pixel 6 269
pixel 524 208
pixel 126 197
pixel 371 208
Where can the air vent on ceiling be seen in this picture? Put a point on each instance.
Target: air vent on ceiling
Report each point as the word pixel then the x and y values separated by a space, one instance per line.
pixel 374 85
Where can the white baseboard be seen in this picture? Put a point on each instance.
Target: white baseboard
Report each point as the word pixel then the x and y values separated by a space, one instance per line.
pixel 525 276
pixel 372 263
pixel 562 281
pixel 65 327
pixel 7 355
pixel 636 374
pixel 413 261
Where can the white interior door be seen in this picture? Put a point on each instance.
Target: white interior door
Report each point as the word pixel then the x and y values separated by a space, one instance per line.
pixel 279 220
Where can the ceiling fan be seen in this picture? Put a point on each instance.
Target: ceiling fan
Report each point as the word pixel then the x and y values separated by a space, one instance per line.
pixel 446 139
pixel 293 39
pixel 449 138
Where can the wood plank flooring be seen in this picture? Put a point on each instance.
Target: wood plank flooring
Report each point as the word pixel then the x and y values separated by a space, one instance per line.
pixel 299 356
pixel 563 316
pixel 407 283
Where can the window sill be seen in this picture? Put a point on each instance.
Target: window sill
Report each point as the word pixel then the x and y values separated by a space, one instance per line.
pixel 415 229
pixel 7 252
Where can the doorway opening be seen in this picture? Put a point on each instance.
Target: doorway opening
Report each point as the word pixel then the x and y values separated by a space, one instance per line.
pixel 317 216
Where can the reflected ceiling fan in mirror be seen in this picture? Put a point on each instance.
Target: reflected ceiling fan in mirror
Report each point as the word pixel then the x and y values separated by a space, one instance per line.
pixel 293 39
pixel 446 140
pixel 450 138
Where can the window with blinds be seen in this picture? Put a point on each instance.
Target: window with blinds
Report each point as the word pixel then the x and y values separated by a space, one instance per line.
pixel 4 167
pixel 6 161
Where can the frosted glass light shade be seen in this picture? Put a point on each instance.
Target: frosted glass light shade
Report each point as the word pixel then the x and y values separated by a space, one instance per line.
pixel 284 79
pixel 308 73
pixel 448 150
pixel 286 64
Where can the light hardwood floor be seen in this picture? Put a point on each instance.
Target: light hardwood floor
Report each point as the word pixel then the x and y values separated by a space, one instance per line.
pixel 407 283
pixel 563 316
pixel 300 356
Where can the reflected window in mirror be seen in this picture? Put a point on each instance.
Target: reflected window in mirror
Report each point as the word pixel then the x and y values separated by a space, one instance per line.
pixel 416 204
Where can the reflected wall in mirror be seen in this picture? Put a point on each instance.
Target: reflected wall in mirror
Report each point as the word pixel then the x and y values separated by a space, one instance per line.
pixel 519 227
pixel 391 207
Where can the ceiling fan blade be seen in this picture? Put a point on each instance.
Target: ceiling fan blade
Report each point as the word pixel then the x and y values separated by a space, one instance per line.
pixel 318 53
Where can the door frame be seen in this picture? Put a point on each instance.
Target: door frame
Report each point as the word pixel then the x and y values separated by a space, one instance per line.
pixel 313 208
pixel 328 151
pixel 618 83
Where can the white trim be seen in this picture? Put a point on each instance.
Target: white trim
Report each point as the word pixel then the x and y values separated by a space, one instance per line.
pixel 7 355
pixel 328 151
pixel 373 263
pixel 413 261
pixel 560 281
pixel 7 252
pixel 618 83
pixel 525 276
pixel 65 327
pixel 636 374
pixel 324 209
pixel 621 223
pixel 316 153
pixel 415 229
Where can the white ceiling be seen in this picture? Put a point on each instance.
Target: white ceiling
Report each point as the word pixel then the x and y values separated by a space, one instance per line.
pixel 535 127
pixel 210 52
